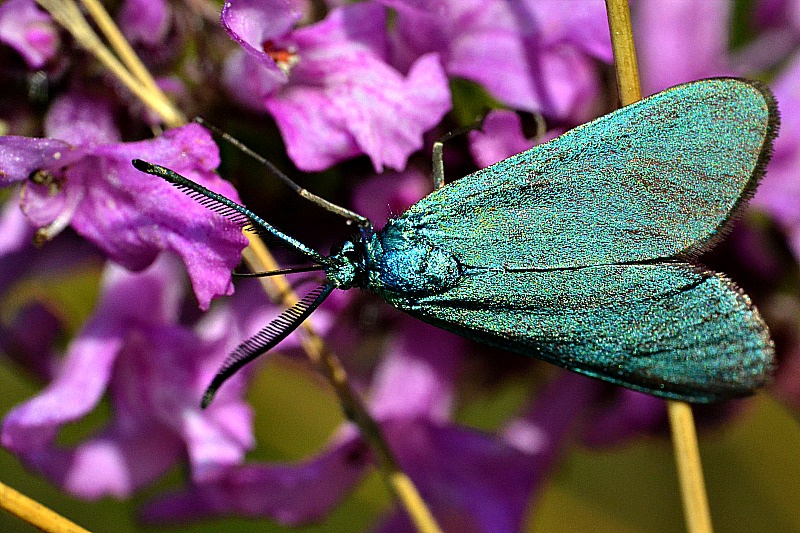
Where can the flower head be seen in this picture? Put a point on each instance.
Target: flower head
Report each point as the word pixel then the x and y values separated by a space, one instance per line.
pixel 154 370
pixel 536 56
pixel 86 181
pixel 29 31
pixel 329 86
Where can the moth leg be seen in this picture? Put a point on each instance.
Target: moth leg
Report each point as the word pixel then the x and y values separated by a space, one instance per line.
pixel 438 150
pixel 351 216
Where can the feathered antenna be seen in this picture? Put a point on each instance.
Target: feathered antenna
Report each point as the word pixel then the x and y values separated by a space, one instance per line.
pixel 238 214
pixel 267 338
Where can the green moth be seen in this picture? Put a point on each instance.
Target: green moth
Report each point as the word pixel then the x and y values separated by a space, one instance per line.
pixel 580 251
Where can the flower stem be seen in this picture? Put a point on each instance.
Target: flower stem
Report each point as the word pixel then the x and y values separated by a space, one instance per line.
pixel 141 84
pixel 619 22
pixel 67 13
pixel 35 513
pixel 400 485
pixel 119 43
pixel 684 436
pixel 690 471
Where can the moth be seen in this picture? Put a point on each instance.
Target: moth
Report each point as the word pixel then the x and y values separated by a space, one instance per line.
pixel 581 251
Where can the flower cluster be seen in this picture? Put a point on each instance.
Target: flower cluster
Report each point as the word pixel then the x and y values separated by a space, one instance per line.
pixel 352 89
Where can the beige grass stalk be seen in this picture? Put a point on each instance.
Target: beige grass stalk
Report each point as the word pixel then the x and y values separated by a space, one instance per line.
pixel 684 436
pixel 35 513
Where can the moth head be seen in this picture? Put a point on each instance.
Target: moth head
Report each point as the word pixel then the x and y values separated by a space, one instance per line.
pixel 345 268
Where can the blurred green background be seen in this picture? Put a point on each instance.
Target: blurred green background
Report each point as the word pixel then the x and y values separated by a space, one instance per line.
pixel 751 468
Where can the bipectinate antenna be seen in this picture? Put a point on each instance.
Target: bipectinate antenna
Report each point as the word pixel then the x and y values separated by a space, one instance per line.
pixel 236 213
pixel 267 338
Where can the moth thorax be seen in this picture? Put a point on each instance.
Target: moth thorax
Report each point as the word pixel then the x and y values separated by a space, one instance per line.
pixel 410 266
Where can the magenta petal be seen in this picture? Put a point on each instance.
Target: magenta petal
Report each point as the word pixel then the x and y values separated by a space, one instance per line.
pixel 377 113
pixel 681 41
pixel 16 236
pixel 553 414
pixel 343 99
pixel 558 82
pixel 15 231
pixel 155 372
pixel 77 389
pixel 410 382
pixel 115 463
pixel 127 300
pixel 247 80
pixel 291 494
pixel 151 297
pixel 161 378
pixel 530 56
pixel 43 207
pixel 28 30
pixel 581 23
pixel 81 120
pixel 145 21
pixel 779 192
pixel 133 216
pixel 390 194
pixel 254 23
pixel 471 480
pixel 218 438
pixel 20 156
pixel 390 136
pixel 20 259
pixel 316 137
pixel 500 137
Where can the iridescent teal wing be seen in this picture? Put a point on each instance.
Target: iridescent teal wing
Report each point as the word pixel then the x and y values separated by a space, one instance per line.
pixel 579 251
pixel 657 179
pixel 669 329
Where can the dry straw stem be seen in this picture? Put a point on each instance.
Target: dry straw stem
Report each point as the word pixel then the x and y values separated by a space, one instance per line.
pixel 141 84
pixel 259 259
pixel 35 513
pixel 67 13
pixel 120 44
pixel 684 436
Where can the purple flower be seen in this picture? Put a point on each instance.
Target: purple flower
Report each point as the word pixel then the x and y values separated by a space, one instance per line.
pixel 29 340
pixel 29 337
pixel 779 192
pixel 328 85
pixel 155 371
pixel 501 137
pixel 87 181
pixel 15 236
pixel 28 30
pixel 532 55
pixel 681 40
pixel 145 21
pixel 624 415
pixel 390 194
pixel 773 14
pixel 472 481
